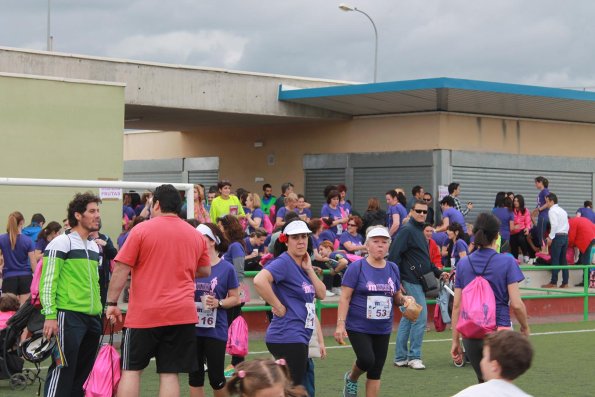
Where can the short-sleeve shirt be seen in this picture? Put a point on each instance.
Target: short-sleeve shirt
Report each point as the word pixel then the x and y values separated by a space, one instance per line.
pixel 304 212
pixel 345 237
pixel 40 244
pixel 281 212
pixel 366 281
pixel 293 288
pixel 327 235
pixel 235 250
pixel 505 216
pixel 455 216
pixel 250 247
pixel 335 213
pixel 16 262
pixel 220 281
pixel 164 254
pixel 458 247
pixel 257 213
pixel 502 271
pixel 541 202
pixel 587 212
pixel 397 209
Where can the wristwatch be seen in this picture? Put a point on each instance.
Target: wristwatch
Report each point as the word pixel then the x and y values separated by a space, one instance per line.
pixel 219 304
pixel 111 303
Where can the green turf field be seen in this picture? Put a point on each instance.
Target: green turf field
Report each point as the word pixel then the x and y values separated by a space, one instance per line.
pixel 563 366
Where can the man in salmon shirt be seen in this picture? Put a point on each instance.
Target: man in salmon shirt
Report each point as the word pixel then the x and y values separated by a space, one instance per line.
pixel 164 255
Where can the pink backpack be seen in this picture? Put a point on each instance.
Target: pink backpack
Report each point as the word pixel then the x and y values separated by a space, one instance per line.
pixel 267 224
pixel 104 377
pixel 35 285
pixel 237 338
pixel 478 307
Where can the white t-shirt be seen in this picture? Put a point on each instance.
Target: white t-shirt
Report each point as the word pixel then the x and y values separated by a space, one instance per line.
pixel 493 388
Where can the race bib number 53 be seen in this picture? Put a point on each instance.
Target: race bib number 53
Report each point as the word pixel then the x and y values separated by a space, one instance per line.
pixel 379 307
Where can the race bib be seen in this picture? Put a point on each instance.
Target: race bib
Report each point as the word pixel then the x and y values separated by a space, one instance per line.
pixel 339 228
pixel 233 210
pixel 207 318
pixel 310 318
pixel 379 307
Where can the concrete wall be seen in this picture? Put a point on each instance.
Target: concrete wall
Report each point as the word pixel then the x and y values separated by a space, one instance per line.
pixel 60 130
pixel 240 162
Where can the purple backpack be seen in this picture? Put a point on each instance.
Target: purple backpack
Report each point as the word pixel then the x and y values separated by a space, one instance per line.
pixel 477 317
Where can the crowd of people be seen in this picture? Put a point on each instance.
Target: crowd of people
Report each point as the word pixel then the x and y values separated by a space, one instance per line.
pixel 187 280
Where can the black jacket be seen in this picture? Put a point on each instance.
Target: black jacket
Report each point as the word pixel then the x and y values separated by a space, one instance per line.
pixel 410 248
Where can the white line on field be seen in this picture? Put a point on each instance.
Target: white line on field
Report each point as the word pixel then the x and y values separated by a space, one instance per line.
pixel 578 331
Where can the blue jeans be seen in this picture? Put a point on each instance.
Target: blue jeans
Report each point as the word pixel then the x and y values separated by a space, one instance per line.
pixel 412 332
pixel 558 254
pixel 309 378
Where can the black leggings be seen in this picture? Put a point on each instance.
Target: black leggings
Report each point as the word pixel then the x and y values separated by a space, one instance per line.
pixel 517 241
pixel 474 351
pixel 212 351
pixel 370 351
pixel 232 314
pixel 296 356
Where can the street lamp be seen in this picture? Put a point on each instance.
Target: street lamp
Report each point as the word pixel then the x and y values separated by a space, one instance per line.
pixel 346 7
pixel 49 36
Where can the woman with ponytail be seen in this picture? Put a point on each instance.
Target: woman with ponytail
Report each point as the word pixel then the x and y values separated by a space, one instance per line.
pixel 19 259
pixel 44 237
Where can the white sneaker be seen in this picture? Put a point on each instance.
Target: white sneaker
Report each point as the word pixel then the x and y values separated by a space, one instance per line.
pixel 336 291
pixel 525 259
pixel 329 293
pixel 416 364
pixel 401 364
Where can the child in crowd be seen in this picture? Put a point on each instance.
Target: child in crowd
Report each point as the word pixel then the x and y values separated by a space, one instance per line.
pixel 263 377
pixel 9 304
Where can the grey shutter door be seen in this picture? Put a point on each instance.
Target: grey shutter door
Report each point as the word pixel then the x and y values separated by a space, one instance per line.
pixel 375 182
pixel 153 176
pixel 480 185
pixel 206 178
pixel 316 181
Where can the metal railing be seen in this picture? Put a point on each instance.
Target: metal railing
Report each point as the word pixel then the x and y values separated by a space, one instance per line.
pixel 549 293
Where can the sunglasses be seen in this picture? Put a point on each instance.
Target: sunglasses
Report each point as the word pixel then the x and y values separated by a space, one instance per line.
pixel 421 211
pixel 428 199
pixel 351 224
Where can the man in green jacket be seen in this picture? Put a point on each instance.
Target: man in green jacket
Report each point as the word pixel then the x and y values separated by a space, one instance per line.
pixel 70 299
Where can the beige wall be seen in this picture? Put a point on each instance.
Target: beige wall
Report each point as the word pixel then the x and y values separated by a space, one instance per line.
pixel 240 162
pixel 59 129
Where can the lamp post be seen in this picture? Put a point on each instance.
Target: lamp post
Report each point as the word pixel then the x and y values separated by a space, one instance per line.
pixel 49 37
pixel 346 7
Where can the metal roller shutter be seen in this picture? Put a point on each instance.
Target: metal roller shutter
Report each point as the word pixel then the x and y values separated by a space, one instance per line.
pixel 375 182
pixel 207 178
pixel 316 181
pixel 480 186
pixel 165 177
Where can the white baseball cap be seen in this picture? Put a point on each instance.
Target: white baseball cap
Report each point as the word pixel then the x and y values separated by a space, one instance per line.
pixel 296 227
pixel 205 230
pixel 379 231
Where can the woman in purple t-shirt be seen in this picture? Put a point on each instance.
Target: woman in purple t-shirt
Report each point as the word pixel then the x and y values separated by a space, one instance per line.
pixel 503 274
pixel 459 248
pixel 365 314
pixel 542 210
pixel 289 284
pixel 212 296
pixel 19 258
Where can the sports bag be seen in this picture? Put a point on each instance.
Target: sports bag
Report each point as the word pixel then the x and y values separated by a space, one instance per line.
pixel 35 301
pixel 237 338
pixel 477 317
pixel 438 321
pixel 267 224
pixel 104 377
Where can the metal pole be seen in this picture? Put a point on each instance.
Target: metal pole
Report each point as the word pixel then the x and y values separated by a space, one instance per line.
pixel 49 37
pixel 187 187
pixel 376 42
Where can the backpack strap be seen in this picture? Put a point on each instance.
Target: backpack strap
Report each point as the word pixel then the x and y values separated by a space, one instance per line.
pixel 486 266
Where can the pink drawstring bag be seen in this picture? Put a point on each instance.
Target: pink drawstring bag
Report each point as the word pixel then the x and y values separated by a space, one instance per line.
pixel 104 377
pixel 35 285
pixel 267 224
pixel 478 307
pixel 237 338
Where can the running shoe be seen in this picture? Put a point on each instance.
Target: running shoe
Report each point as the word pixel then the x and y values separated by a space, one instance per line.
pixel 416 364
pixel 350 388
pixel 401 364
pixel 329 293
pixel 229 371
pixel 336 290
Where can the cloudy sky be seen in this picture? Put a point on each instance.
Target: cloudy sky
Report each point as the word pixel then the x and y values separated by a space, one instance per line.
pixel 543 42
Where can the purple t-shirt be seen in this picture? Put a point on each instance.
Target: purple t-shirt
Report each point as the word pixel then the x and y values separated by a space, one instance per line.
pixel 256 214
pixel 281 212
pixel 541 202
pixel 588 213
pixel 458 247
pixel 505 216
pixel 235 250
pixel 369 281
pixel 40 244
pixel 397 209
pixel 327 212
pixel 250 248
pixel 222 279
pixel 455 216
pixel 441 238
pixel 305 212
pixel 327 235
pixel 345 237
pixel 16 262
pixel 346 207
pixel 502 271
pixel 293 288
